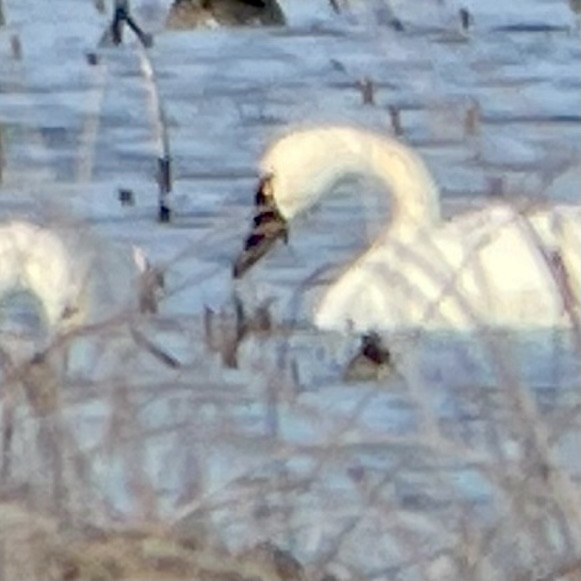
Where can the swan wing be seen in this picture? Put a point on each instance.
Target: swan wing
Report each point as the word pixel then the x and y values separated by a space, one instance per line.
pixel 480 269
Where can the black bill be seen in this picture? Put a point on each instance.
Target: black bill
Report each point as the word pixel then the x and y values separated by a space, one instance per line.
pixel 268 225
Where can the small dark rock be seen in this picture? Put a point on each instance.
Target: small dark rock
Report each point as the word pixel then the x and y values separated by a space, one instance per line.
pixel 126 197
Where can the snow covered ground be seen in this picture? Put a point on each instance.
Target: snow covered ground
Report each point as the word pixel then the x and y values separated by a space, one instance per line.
pixel 283 448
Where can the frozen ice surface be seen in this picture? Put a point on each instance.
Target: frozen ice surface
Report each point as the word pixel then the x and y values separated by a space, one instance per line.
pixel 73 135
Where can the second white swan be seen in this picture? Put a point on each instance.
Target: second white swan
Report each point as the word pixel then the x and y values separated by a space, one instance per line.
pixel 493 267
pixel 74 280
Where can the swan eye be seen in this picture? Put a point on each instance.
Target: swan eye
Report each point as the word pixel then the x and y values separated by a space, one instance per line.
pixel 265 191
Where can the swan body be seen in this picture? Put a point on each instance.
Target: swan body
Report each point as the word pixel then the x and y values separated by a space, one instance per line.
pixel 491 267
pixel 482 269
pixel 33 258
pixel 65 274
pixel 73 281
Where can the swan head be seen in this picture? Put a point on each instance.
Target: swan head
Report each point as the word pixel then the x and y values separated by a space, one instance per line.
pixel 303 166
pixel 268 225
pixel 295 172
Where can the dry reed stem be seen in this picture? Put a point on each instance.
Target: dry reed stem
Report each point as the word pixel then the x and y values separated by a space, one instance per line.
pixel 90 131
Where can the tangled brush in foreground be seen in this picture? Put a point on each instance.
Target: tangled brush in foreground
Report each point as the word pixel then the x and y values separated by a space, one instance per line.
pixel 39 547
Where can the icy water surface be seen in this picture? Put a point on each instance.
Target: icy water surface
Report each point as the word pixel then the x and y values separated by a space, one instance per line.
pixel 495 112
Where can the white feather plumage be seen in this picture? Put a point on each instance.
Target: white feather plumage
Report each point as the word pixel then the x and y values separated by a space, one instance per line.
pixel 492 267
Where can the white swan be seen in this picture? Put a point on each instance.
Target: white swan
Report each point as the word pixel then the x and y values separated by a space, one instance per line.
pixel 492 267
pixel 75 282
pixel 63 273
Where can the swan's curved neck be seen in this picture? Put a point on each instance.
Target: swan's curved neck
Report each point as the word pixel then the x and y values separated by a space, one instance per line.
pixel 307 164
